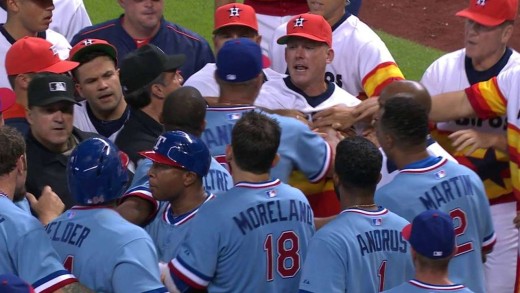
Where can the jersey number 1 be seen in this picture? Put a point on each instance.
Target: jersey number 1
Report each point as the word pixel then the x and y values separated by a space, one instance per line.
pixel 287 255
pixel 68 263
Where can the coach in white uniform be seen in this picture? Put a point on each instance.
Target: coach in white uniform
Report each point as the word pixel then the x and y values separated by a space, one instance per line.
pixel 480 144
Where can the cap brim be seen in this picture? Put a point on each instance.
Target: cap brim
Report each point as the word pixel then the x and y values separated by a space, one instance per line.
pixel 479 18
pixel 7 99
pixel 236 24
pixel 283 40
pixel 106 48
pixel 158 158
pixel 55 100
pixel 407 231
pixel 60 67
pixel 174 62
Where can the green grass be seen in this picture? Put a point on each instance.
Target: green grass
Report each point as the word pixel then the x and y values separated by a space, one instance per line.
pixel 197 15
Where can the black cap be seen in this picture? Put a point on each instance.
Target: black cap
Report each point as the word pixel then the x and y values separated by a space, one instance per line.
pixel 48 88
pixel 145 64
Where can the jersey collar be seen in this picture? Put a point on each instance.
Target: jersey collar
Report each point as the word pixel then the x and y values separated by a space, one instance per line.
pixel 265 184
pixel 423 285
pixel 169 218
pixel 380 211
pixel 424 165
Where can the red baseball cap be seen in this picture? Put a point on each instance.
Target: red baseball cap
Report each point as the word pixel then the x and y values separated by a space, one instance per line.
pixel 309 26
pixel 490 12
pixel 235 14
pixel 30 54
pixel 7 98
pixel 91 45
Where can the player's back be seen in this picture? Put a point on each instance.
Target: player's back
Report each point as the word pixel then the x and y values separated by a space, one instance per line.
pixel 456 190
pixel 359 251
pixel 251 239
pixel 300 148
pixel 104 250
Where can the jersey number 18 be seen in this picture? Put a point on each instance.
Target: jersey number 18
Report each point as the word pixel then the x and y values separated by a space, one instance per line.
pixel 282 253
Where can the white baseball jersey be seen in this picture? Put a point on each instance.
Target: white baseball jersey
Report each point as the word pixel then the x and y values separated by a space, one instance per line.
pixel 389 169
pixel 82 120
pixel 204 80
pixel 452 72
pixel 362 64
pixel 283 94
pixel 61 46
pixel 68 17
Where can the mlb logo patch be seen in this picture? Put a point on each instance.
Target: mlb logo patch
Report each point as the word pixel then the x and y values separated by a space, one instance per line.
pixel 58 86
pixel 271 193
pixel 377 222
pixel 71 214
pixel 234 116
pixel 441 174
pixel 437 253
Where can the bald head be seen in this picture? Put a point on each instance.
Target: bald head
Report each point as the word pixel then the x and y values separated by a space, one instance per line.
pixel 407 89
pixel 184 109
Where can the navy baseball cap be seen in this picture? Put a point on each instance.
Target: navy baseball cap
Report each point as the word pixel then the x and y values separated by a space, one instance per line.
pixel 239 60
pixel 431 234
pixel 10 283
pixel 181 150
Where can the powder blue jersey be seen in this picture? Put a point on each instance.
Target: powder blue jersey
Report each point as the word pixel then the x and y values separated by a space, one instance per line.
pixel 250 239
pixel 359 251
pixel 414 286
pixel 217 181
pixel 437 183
pixel 106 252
pixel 168 232
pixel 300 148
pixel 27 252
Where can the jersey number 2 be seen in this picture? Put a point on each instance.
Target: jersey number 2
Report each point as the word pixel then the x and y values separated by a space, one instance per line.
pixel 460 216
pixel 287 255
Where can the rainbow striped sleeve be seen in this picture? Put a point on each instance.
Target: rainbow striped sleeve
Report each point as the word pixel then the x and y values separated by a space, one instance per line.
pixel 379 77
pixel 486 99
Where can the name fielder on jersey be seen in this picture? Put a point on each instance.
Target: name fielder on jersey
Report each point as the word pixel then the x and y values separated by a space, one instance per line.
pixel 72 233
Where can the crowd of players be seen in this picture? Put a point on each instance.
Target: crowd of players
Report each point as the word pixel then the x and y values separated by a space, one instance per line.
pixel 292 157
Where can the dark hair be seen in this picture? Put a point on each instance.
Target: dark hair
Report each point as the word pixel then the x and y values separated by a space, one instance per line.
pixel 87 57
pixel 185 110
pixel 255 139
pixel 12 146
pixel 142 97
pixel 436 265
pixel 406 120
pixel 358 163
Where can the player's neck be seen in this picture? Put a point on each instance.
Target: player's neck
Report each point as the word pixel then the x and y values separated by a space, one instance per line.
pixel 244 176
pixel 433 278
pixel 154 109
pixel 112 114
pixel 234 100
pixel 7 184
pixel 17 31
pixel 358 199
pixel 486 62
pixel 190 200
pixel 404 158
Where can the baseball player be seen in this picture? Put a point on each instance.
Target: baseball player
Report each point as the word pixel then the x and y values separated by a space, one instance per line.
pixel 180 161
pixel 416 91
pixel 426 182
pixel 231 21
pixel 239 68
pixel 31 21
pixel 69 17
pixel 254 237
pixel 26 250
pixel 183 110
pixel 369 66
pixel 480 144
pixel 104 109
pixel 362 250
pixel 432 239
pixel 131 31
pixel 94 242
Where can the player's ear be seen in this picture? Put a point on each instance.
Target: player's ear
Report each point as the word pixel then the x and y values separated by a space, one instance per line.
pixel 229 153
pixel 275 160
pixel 190 178
pixel 330 55
pixel 21 164
pixel 379 178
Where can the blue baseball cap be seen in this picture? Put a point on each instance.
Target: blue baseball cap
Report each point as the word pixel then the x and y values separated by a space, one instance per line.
pixel 10 283
pixel 239 60
pixel 181 150
pixel 431 234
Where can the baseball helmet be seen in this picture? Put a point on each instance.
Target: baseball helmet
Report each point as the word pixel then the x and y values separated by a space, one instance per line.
pixel 96 172
pixel 182 150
